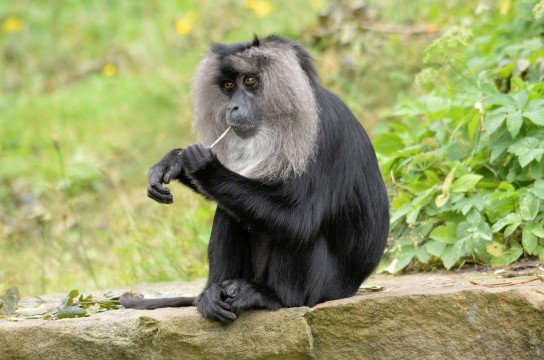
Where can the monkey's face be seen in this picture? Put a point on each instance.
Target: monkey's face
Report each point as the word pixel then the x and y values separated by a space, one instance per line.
pixel 243 113
pixel 264 91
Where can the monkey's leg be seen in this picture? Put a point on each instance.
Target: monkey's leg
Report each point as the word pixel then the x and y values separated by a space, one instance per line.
pixel 229 259
pixel 242 295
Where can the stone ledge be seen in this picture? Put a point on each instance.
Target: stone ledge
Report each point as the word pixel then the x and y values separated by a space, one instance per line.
pixel 421 316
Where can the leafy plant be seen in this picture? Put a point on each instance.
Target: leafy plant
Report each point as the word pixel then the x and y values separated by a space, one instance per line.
pixel 73 307
pixel 8 301
pixel 465 161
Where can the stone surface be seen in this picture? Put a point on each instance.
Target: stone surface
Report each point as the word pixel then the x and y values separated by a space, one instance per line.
pixel 422 316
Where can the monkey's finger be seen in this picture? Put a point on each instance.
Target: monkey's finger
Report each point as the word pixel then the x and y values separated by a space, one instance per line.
pixel 225 316
pixel 162 198
pixel 230 288
pixel 159 200
pixel 224 305
pixel 160 189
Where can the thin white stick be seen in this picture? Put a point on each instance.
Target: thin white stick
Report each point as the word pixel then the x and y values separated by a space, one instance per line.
pixel 221 137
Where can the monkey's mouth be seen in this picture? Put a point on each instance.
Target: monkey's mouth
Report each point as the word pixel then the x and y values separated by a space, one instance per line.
pixel 244 131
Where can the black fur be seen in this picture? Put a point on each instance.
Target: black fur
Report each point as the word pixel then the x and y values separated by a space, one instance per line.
pixel 310 239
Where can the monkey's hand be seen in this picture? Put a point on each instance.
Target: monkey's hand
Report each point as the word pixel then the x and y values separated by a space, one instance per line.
pixel 238 294
pixel 241 294
pixel 211 305
pixel 196 157
pixel 168 168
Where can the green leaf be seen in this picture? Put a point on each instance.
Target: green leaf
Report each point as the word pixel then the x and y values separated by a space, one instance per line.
pixel 473 235
pixel 446 233
pixel 536 171
pixel 388 144
pixel 435 248
pixel 536 229
pixel 473 126
pixel 422 255
pixel 411 217
pixel 435 104
pixel 504 100
pixel 510 229
pixel 538 189
pixel 372 288
pixel 535 105
pixel 402 211
pixel 512 218
pixel 514 122
pixel 449 258
pixel 527 150
pixel 536 117
pixel 474 218
pixel 400 200
pixel 521 99
pixel 466 183
pixel 508 256
pixel 493 121
pixel 465 204
pixel 460 249
pixel 498 147
pixel 529 241
pixel 529 207
pixel 69 299
pixel 10 299
pixel 402 259
pixel 72 311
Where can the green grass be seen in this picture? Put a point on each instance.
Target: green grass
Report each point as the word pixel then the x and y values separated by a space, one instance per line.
pixel 75 143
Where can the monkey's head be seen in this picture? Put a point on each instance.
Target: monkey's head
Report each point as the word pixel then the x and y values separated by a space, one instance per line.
pixel 264 90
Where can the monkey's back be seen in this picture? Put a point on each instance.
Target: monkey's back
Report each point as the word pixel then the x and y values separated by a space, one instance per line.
pixel 344 192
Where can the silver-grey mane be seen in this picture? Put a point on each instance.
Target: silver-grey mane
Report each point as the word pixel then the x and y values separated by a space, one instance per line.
pixel 286 141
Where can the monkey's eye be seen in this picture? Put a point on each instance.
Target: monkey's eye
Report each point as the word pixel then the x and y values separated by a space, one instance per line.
pixel 250 81
pixel 228 85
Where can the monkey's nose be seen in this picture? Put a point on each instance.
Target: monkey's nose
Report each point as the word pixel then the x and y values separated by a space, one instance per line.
pixel 236 115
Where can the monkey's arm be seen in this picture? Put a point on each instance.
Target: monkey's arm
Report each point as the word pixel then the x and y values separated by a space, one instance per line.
pixel 261 206
pixel 167 169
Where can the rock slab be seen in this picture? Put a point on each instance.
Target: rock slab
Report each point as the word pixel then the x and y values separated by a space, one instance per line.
pixel 422 316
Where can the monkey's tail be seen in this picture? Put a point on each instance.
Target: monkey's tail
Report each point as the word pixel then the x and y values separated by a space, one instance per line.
pixel 134 302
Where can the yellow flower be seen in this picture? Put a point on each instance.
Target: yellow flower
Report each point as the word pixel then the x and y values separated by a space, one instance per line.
pixel 12 24
pixel 109 70
pixel 184 25
pixel 261 8
pixel 316 4
pixel 504 7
